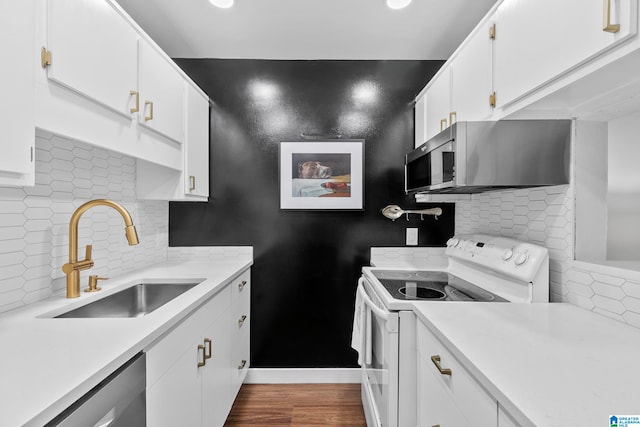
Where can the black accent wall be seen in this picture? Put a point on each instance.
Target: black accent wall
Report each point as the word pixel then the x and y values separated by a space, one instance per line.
pixel 306 263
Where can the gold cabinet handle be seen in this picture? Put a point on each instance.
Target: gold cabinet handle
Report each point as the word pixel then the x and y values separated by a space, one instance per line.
pixel 443 124
pixel 241 320
pixel 45 57
pixel 192 182
pixel 451 116
pixel 137 95
pixel 437 425
pixel 492 100
pixel 204 358
pixel 242 285
pixel 150 116
pixel 436 361
pixel 207 351
pixel 242 365
pixel 606 19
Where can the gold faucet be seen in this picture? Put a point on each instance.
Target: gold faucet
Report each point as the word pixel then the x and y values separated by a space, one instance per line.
pixel 73 267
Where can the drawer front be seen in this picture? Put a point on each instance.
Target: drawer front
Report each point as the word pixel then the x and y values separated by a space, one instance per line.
pixel 435 405
pixel 241 285
pixel 239 357
pixel 170 347
pixel 469 397
pixel 240 336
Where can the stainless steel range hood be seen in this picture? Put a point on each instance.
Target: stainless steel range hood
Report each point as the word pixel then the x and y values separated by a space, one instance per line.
pixel 474 157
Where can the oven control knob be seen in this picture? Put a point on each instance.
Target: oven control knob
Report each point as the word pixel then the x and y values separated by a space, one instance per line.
pixel 521 258
pixel 506 255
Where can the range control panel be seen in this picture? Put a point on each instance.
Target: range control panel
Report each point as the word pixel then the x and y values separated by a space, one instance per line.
pixel 510 257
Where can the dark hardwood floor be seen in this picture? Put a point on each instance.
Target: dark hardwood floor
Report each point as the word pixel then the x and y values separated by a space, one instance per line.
pixel 297 405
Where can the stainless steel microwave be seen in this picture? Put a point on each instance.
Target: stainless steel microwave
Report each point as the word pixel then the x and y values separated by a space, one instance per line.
pixel 432 165
pixel 473 157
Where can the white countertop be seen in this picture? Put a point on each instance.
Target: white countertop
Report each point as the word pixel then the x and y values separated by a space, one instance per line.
pixel 46 364
pixel 547 364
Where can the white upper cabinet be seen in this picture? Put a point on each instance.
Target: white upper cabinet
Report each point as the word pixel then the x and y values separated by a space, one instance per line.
pixel 162 92
pixel 17 31
pixel 538 40
pixel 472 77
pixel 438 102
pixel 103 81
pixel 94 52
pixel 197 144
pixel 420 120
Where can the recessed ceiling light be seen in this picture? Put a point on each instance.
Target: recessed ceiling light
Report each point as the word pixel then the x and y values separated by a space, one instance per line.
pixel 398 4
pixel 224 4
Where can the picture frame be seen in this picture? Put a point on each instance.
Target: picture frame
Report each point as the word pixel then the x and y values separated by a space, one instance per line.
pixel 322 175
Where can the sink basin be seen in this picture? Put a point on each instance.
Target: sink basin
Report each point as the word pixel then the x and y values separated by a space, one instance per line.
pixel 135 301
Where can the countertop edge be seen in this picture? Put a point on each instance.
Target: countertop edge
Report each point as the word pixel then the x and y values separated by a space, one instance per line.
pixel 142 341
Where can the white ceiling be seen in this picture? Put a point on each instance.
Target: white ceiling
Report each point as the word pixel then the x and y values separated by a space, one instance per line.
pixel 308 29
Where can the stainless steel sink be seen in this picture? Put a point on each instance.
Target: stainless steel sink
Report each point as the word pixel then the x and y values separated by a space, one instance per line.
pixel 135 301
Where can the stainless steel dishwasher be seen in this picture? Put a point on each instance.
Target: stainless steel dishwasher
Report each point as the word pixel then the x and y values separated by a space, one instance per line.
pixel 118 401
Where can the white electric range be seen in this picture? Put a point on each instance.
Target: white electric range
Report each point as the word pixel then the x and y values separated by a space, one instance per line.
pixel 480 269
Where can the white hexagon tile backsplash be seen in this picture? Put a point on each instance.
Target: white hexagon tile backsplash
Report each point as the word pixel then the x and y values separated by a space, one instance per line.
pixel 34 221
pixel 545 216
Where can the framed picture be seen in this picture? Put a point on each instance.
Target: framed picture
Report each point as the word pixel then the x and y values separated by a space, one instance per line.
pixel 325 175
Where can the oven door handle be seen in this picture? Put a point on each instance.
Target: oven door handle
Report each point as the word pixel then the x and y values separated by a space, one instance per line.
pixel 384 315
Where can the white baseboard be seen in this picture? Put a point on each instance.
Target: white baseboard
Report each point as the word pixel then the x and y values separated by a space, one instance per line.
pixel 303 375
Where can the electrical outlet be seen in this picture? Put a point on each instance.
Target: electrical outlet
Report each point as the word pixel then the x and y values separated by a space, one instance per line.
pixel 412 236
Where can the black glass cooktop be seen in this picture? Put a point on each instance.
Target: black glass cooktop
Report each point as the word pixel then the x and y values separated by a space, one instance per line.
pixel 432 286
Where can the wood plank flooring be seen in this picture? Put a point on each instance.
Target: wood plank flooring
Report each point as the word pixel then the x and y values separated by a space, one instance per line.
pixel 297 405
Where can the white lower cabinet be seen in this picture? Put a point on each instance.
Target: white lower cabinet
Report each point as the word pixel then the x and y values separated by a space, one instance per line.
pixel 447 394
pixel 240 326
pixel 192 372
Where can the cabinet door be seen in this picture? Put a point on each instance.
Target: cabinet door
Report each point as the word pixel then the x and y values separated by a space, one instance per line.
pixel 435 406
pixel 420 121
pixel 197 144
pixel 217 394
pixel 17 38
pixel 537 40
pixel 162 92
pixel 93 52
pixel 175 399
pixel 472 77
pixel 438 103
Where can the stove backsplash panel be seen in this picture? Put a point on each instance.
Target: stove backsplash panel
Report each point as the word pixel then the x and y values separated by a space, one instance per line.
pixel 546 216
